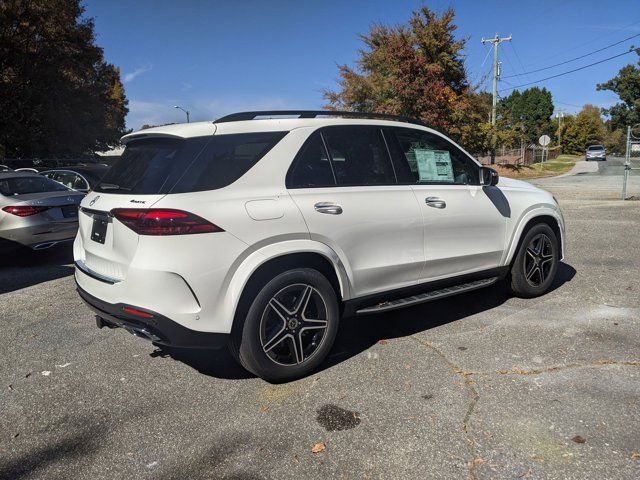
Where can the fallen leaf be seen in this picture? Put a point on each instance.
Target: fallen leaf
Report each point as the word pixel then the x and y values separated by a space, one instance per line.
pixel 578 439
pixel 478 461
pixel 15 435
pixel 264 409
pixel 318 448
pixel 408 366
pixel 10 387
pixel 46 373
pixel 635 456
pixel 28 375
pixel 383 342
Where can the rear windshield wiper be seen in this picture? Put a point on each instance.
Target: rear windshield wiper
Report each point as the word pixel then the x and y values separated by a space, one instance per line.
pixel 112 186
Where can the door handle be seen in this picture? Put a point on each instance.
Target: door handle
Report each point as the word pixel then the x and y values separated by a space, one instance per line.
pixel 328 207
pixel 435 202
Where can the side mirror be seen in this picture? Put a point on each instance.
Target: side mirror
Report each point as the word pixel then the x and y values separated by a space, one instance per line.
pixel 489 176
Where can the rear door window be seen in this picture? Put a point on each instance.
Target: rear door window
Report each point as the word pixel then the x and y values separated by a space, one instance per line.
pixel 359 156
pixel 311 167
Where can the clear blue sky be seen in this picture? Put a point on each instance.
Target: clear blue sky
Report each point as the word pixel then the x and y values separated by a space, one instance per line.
pixel 215 58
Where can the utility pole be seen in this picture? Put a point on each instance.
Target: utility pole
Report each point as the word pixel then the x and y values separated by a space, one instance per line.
pixel 560 117
pixel 497 40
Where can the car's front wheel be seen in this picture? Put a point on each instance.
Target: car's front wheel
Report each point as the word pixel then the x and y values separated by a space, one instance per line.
pixel 290 326
pixel 536 262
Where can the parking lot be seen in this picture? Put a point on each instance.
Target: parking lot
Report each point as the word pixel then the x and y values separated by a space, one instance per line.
pixel 474 386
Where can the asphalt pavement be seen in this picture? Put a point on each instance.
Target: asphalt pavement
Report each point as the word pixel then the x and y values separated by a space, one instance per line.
pixel 475 386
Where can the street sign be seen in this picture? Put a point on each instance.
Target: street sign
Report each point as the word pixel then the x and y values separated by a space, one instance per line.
pixel 544 140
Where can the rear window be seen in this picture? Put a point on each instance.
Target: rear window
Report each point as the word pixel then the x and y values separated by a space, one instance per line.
pixel 164 165
pixel 26 185
pixel 596 147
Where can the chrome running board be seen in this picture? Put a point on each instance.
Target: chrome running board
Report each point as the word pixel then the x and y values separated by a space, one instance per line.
pixel 427 296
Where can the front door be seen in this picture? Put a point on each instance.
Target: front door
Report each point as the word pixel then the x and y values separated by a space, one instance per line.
pixel 345 186
pixel 464 222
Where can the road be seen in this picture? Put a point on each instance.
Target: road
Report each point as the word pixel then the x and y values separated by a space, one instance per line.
pixel 476 386
pixel 597 180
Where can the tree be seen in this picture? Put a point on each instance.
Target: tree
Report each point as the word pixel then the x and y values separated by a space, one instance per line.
pixel 415 70
pixel 587 128
pixel 57 94
pixel 627 86
pixel 527 113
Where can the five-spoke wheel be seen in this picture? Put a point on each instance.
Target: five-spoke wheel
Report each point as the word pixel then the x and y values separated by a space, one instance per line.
pixel 536 263
pixel 290 326
pixel 293 324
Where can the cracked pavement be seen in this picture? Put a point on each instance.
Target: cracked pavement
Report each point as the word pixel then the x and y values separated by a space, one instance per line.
pixel 475 386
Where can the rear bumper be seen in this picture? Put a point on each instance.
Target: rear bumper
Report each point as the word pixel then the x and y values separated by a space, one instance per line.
pixel 42 236
pixel 157 328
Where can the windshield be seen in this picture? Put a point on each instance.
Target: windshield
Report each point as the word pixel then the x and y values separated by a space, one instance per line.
pixel 26 185
pixel 596 147
pixel 166 165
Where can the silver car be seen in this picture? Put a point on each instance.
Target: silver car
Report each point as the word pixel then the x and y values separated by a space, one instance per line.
pixel 35 211
pixel 595 152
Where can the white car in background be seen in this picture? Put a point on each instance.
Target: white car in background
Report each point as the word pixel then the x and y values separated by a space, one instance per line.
pixel 261 231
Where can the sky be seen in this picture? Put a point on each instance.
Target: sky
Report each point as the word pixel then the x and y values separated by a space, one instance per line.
pixel 217 57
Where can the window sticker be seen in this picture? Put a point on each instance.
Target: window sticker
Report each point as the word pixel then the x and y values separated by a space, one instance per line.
pixel 434 165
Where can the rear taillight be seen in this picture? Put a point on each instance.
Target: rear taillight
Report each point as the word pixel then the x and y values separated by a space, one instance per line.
pixel 24 210
pixel 159 221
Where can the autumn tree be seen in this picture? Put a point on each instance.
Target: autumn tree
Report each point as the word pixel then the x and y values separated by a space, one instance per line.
pixel 627 86
pixel 58 96
pixel 416 70
pixel 586 128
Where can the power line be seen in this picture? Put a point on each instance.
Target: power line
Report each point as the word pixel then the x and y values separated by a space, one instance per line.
pixel 576 58
pixel 547 57
pixel 570 71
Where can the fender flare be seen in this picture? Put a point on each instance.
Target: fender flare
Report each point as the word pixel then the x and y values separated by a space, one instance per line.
pixel 238 277
pixel 528 215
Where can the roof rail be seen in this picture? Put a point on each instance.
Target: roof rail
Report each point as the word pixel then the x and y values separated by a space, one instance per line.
pixel 237 117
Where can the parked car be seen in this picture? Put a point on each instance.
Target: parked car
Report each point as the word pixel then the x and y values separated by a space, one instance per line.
pixel 78 177
pixel 27 169
pixel 36 212
pixel 262 233
pixel 595 152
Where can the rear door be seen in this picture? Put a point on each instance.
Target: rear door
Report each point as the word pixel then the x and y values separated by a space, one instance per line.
pixel 344 183
pixel 464 222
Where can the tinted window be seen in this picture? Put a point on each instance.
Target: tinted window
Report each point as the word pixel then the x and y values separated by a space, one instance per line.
pixel 596 147
pixel 225 159
pixel 25 185
pixel 311 166
pixel 147 165
pixel 432 159
pixel 163 165
pixel 359 156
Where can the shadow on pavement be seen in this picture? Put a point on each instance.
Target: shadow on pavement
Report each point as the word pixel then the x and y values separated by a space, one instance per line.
pixel 357 334
pixel 23 268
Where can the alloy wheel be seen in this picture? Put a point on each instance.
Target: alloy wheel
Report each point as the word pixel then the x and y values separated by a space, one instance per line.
pixel 539 260
pixel 293 324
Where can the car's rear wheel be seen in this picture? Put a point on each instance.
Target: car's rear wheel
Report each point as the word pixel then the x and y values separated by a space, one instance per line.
pixel 536 262
pixel 290 326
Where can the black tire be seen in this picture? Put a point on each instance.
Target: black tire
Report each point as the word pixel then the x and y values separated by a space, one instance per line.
pixel 265 342
pixel 531 277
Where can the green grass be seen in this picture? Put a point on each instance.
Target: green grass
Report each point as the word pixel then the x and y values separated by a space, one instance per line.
pixel 557 166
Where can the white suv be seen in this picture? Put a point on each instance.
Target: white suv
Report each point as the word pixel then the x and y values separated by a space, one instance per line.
pixel 261 231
